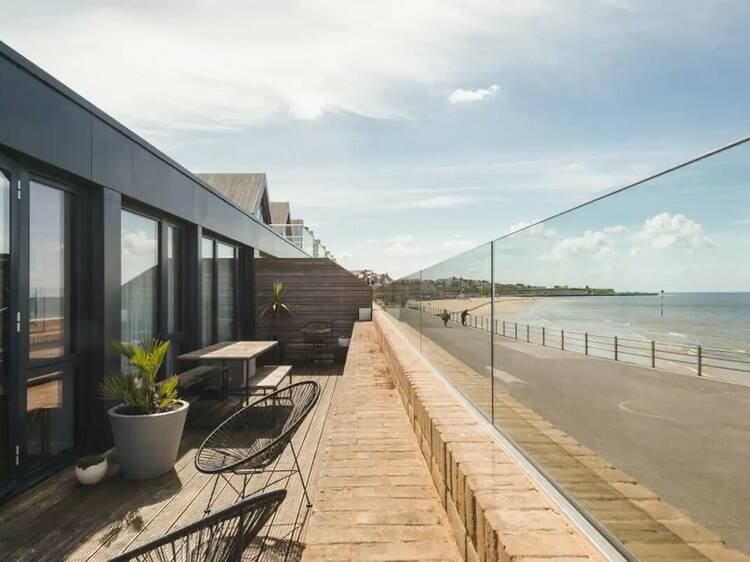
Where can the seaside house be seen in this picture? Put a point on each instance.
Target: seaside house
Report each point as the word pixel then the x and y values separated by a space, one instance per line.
pixel 439 423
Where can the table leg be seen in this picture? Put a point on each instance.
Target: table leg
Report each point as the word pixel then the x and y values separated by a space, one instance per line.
pixel 225 380
pixel 245 371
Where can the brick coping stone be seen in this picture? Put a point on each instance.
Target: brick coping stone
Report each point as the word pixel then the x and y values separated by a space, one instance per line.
pixel 496 511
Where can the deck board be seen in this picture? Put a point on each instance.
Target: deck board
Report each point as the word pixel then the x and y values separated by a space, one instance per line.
pixel 60 520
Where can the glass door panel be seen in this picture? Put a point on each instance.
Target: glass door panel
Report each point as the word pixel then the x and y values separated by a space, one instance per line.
pixel 174 297
pixel 49 417
pixel 49 385
pixel 5 323
pixel 48 262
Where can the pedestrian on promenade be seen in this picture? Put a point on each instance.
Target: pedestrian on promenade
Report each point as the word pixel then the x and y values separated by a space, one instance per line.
pixel 445 316
pixel 464 315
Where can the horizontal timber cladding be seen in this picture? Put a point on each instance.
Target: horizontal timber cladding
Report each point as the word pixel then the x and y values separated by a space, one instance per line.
pixel 317 290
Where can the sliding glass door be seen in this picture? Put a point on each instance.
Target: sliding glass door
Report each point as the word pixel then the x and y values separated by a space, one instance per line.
pixel 50 365
pixel 6 451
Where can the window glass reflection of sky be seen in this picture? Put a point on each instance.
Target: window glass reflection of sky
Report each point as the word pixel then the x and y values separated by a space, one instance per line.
pixel 139 245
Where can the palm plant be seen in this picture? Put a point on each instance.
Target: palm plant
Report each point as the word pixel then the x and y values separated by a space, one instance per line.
pixel 277 304
pixel 136 386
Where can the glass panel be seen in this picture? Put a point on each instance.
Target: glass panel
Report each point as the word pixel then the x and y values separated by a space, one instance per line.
pixel 173 280
pixel 207 290
pixel 616 350
pixel 140 277
pixel 47 269
pixel 455 301
pixel 226 279
pixel 49 417
pixel 5 321
pixel 622 306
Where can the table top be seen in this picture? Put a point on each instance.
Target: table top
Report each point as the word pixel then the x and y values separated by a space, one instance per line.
pixel 229 350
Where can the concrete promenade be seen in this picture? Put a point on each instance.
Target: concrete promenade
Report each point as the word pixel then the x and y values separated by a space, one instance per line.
pixel 684 438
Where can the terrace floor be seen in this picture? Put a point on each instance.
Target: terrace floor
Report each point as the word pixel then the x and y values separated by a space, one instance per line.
pixel 60 520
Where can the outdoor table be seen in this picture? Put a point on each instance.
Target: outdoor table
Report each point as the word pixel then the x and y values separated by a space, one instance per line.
pixel 224 352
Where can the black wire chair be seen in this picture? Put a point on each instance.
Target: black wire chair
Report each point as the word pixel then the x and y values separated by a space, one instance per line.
pixel 223 536
pixel 250 440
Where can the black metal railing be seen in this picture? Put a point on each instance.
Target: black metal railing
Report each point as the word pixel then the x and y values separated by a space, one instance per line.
pixel 701 360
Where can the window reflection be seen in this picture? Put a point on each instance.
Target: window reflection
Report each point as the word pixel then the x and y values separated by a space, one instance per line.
pixel 207 290
pixel 225 264
pixel 4 313
pixel 173 279
pixel 47 260
pixel 49 416
pixel 139 277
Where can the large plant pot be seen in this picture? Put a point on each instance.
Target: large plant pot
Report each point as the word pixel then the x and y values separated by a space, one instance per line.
pixel 147 445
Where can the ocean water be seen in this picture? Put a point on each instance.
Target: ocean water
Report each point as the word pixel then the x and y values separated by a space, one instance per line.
pixel 715 320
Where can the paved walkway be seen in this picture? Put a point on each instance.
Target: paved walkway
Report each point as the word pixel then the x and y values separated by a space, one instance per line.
pixel 649 526
pixel 375 498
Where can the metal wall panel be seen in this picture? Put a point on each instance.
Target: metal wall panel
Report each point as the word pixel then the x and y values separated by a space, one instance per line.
pixel 42 119
pixel 38 121
pixel 112 157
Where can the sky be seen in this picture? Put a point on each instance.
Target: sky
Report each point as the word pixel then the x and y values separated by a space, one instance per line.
pixel 407 132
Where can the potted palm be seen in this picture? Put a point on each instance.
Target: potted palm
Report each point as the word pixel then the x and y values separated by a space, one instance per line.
pixel 276 308
pixel 147 425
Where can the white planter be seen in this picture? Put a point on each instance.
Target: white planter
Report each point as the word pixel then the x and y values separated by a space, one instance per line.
pixel 92 474
pixel 147 445
pixel 344 342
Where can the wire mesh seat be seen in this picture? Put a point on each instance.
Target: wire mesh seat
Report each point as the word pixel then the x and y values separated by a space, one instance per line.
pixel 250 440
pixel 223 536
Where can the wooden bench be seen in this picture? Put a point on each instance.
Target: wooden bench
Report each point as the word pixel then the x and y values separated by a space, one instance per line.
pixel 269 378
pixel 194 377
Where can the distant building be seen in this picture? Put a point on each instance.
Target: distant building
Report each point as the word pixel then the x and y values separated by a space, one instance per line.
pixel 371 277
pixel 246 190
pixel 281 218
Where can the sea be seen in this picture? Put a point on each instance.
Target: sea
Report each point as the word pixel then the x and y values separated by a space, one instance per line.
pixel 714 320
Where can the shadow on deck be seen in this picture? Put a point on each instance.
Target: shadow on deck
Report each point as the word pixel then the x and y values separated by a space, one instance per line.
pixel 59 519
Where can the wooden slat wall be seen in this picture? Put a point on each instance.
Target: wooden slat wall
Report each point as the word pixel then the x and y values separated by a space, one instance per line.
pixel 318 289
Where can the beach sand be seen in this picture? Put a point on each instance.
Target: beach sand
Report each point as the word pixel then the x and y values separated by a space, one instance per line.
pixel 480 306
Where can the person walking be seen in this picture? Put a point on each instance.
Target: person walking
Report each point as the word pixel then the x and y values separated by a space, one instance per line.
pixel 445 316
pixel 464 315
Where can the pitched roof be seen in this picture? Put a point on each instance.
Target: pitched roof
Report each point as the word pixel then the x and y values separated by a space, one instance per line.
pixel 280 212
pixel 244 190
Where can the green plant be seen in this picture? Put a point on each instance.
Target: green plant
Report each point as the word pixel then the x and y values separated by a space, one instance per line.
pixel 277 304
pixel 136 386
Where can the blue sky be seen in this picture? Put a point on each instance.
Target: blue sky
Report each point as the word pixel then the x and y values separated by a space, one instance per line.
pixel 405 132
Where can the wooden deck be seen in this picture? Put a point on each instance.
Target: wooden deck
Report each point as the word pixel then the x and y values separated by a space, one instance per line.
pixel 60 520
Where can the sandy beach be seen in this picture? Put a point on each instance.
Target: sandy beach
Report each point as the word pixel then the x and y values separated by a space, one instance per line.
pixel 480 306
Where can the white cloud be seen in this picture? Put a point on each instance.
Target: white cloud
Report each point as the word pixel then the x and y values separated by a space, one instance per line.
pixel 617 229
pixel 636 251
pixel 459 245
pixel 591 243
pixel 469 96
pixel 138 254
pixel 225 66
pixel 538 231
pixel 402 245
pixel 443 201
pixel 664 231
